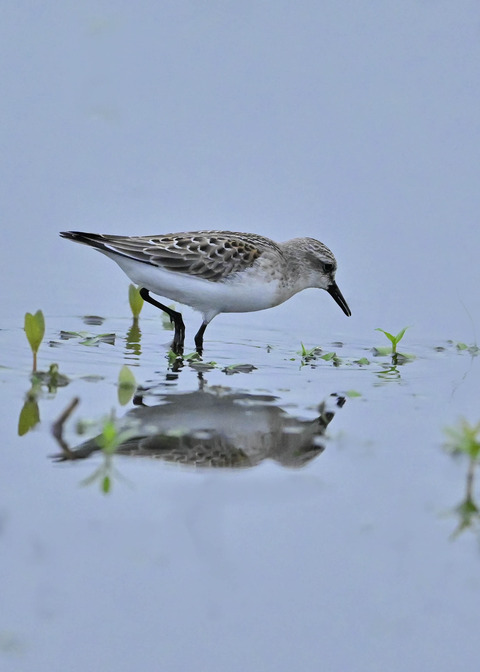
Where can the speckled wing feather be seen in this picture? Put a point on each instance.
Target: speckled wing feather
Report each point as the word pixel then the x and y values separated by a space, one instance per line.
pixel 211 255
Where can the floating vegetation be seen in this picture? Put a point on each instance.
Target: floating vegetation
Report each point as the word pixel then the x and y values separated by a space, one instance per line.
pixel 363 361
pixel 87 338
pixel 51 378
pixel 331 357
pixel 174 359
pixel 473 349
pixel 201 367
pixel 192 357
pixel 310 355
pixel 238 368
pixel 35 331
pixel 194 360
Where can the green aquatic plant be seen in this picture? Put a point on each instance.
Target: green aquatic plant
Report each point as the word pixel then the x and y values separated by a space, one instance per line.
pixel 394 340
pixel 35 331
pixel 126 385
pixel 173 358
pixel 392 350
pixel 332 357
pixel 52 378
pixel 464 440
pixel 309 353
pixel 135 300
pixel 30 413
pixel 473 349
pixel 312 354
pixel 192 357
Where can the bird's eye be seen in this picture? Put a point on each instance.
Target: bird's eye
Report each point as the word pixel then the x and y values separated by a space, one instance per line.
pixel 328 268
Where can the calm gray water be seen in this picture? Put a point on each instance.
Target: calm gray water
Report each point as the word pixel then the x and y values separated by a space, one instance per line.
pixel 333 545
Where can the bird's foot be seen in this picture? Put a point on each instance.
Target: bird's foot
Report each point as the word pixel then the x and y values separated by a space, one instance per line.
pixel 178 338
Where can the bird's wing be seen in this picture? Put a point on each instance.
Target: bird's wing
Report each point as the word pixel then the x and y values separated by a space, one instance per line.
pixel 211 255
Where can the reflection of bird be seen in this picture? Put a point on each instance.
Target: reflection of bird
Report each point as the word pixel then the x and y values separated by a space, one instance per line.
pixel 212 430
pixel 218 271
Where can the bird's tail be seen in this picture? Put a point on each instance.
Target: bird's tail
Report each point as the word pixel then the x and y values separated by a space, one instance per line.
pixel 93 239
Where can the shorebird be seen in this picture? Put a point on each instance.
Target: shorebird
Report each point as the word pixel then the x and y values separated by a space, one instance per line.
pixel 218 271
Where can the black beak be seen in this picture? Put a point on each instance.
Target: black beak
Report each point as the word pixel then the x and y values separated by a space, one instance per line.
pixel 338 296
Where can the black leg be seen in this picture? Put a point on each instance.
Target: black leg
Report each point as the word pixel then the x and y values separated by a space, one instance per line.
pixel 175 317
pixel 199 337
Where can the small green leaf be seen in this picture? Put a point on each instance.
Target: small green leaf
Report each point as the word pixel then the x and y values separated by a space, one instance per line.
pixel 353 394
pixel 35 329
pixel 400 335
pixel 126 385
pixel 462 346
pixel 390 337
pixel 192 357
pixel 363 361
pixel 332 357
pixel 135 300
pixel 172 357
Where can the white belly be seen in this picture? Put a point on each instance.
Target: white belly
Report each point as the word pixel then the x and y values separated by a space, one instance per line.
pixel 242 293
